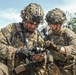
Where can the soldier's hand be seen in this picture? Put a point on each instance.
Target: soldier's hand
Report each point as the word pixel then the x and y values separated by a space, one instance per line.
pixel 22 53
pixel 47 44
pixel 51 45
pixel 39 57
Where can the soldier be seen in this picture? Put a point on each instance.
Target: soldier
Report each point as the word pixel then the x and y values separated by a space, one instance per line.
pixel 17 39
pixel 62 42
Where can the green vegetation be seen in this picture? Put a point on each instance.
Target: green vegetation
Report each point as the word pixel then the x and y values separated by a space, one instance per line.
pixel 72 23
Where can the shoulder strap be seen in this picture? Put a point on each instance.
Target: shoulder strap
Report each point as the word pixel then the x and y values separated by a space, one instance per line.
pixel 6 31
pixel 22 33
pixel 19 28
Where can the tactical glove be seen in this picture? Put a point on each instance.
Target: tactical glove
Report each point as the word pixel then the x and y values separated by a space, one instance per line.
pixel 22 53
pixel 51 45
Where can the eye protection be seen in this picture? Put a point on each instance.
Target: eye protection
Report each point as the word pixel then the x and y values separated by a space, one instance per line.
pixel 36 19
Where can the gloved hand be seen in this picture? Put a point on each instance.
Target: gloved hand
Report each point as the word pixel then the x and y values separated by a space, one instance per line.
pixel 22 53
pixel 51 45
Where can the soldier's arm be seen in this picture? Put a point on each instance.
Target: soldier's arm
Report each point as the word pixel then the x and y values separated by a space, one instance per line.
pixel 71 43
pixel 6 51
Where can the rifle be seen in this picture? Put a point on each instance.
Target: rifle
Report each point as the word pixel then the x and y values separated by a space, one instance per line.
pixel 31 64
pixel 36 51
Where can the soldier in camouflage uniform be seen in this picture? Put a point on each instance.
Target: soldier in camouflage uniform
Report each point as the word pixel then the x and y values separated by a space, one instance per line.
pixel 12 38
pixel 62 42
pixel 15 41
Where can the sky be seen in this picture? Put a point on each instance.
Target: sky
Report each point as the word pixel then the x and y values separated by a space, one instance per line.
pixel 10 9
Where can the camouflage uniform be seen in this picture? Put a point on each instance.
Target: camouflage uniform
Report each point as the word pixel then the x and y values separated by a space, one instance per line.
pixel 6 50
pixel 66 39
pixel 3 69
pixel 11 38
pixel 16 42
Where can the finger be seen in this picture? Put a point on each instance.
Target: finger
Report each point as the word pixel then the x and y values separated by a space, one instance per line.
pixel 41 59
pixel 36 57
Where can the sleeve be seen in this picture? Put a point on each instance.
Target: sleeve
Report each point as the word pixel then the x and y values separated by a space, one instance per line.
pixel 6 51
pixel 71 42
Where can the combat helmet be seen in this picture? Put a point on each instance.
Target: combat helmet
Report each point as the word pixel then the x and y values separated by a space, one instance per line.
pixel 55 16
pixel 33 12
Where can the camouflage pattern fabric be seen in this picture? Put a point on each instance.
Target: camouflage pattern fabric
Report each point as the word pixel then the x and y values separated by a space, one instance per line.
pixel 6 50
pixel 66 39
pixel 32 10
pixel 3 69
pixel 55 16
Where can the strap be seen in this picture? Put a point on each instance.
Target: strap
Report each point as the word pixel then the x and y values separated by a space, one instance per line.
pixel 19 29
pixel 22 33
pixel 18 26
pixel 2 72
pixel 6 33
